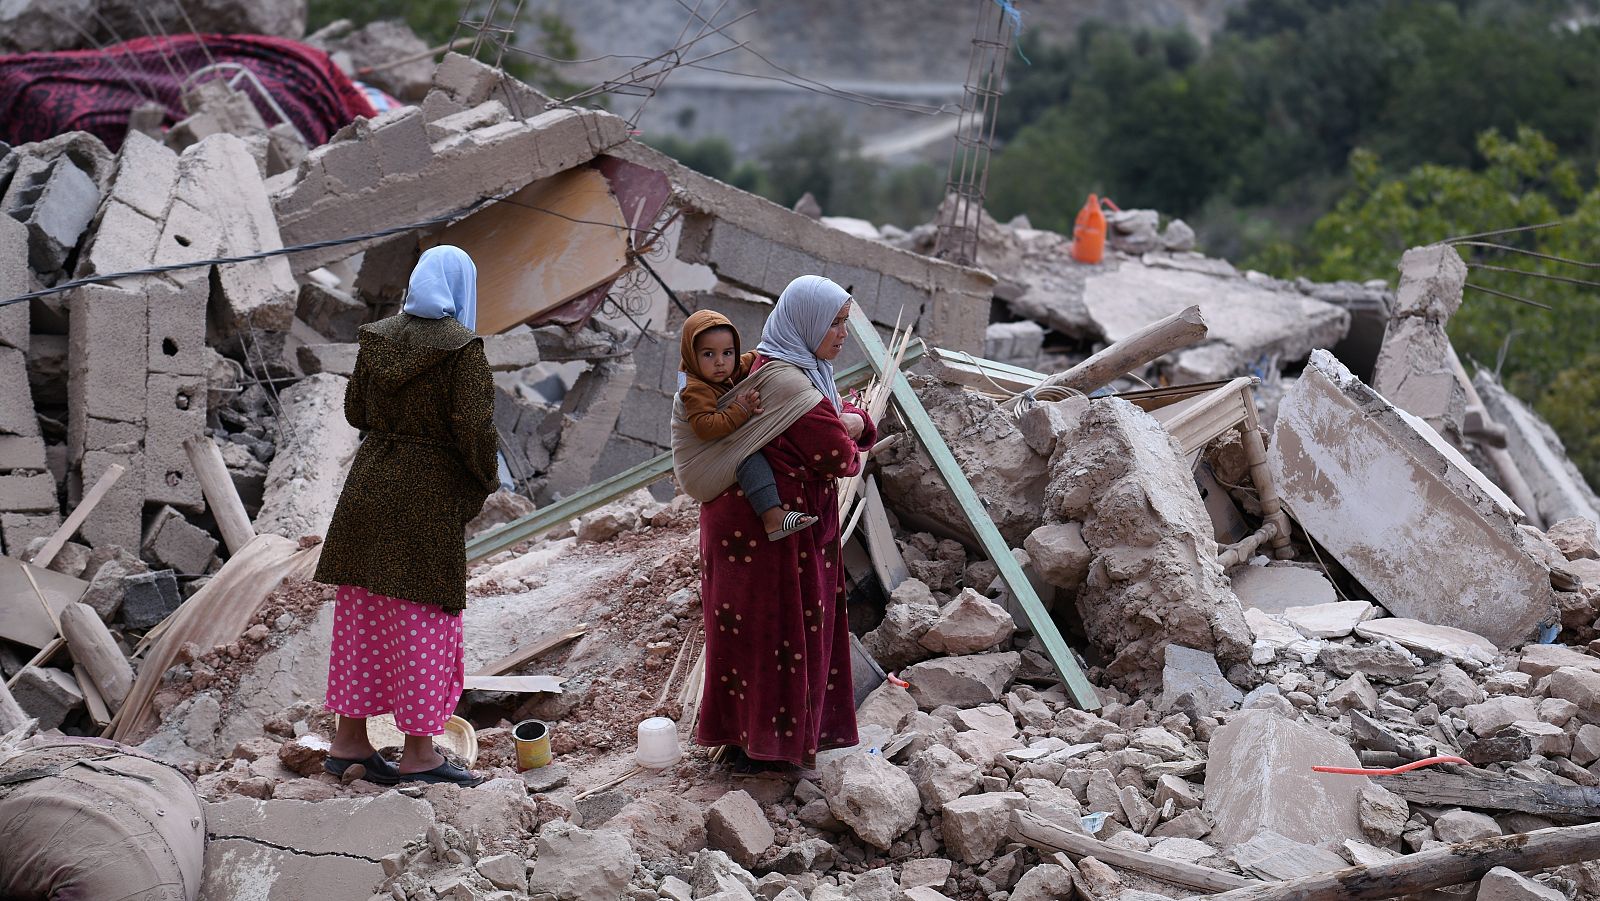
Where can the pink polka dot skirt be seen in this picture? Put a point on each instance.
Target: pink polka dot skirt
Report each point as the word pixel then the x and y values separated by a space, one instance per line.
pixel 391 655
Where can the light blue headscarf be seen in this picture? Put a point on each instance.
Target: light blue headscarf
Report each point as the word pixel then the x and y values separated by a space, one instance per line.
pixel 445 283
pixel 798 324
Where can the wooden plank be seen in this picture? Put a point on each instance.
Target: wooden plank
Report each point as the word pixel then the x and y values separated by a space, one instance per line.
pixel 1449 865
pixel 986 376
pixel 518 684
pixel 886 559
pixel 550 242
pixel 75 519
pixel 99 713
pixel 623 483
pixel 221 496
pixel 46 654
pixel 1152 342
pixel 217 614
pixel 1037 832
pixel 96 652
pixel 983 527
pixel 1198 421
pixel 524 655
pixel 31 600
pixel 1495 793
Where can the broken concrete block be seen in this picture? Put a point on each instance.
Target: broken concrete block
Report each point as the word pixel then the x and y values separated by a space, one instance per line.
pixel 976 826
pixel 172 541
pixel 1043 424
pixel 574 864
pixel 1415 369
pixel 736 824
pixel 177 330
pixel 1428 640
pixel 1559 489
pixel 16 403
pixel 1192 683
pixel 1576 538
pixel 660 824
pixel 107 361
pixel 330 311
pixel 1458 826
pixel 332 359
pixel 1258 778
pixel 1580 686
pixel 15 278
pixel 872 796
pixel 1003 469
pixel 1059 554
pixel 28 493
pixel 273 849
pixel 962 681
pixel 1503 884
pixel 511 352
pixel 506 870
pixel 1503 710
pixel 1335 620
pixel 47 694
pixel 1452 687
pixel 967 625
pixel 896 642
pixel 315 448
pixel 149 598
pixel 1381 662
pixel 175 409
pixel 941 775
pixel 218 177
pixel 146 175
pixel 1275 588
pixel 1155 578
pixel 1017 343
pixel 931 872
pixel 1540 660
pixel 588 418
pixel 56 208
pixel 1448 552
pixel 116 520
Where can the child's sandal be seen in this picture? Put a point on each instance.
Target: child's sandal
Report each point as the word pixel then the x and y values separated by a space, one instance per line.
pixel 793 521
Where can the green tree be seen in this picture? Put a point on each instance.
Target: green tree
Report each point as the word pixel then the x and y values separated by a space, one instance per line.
pixel 1545 355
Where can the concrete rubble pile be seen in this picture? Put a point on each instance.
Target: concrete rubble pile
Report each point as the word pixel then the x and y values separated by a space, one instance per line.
pixel 1373 561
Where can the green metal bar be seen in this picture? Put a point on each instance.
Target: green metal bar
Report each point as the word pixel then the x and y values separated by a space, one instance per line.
pixel 994 545
pixel 626 482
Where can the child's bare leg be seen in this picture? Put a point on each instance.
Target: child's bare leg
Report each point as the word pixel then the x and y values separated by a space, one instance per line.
pixel 761 490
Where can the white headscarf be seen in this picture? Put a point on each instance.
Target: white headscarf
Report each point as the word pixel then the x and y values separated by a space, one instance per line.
pixel 798 324
pixel 445 283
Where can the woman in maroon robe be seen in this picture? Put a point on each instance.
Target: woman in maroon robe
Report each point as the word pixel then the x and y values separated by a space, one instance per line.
pixel 778 683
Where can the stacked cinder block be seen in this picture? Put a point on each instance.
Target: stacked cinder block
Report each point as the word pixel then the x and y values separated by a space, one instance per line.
pixel 27 490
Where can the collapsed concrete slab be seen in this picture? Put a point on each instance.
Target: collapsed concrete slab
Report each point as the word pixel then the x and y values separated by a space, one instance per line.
pixel 1559 490
pixel 1259 778
pixel 1248 318
pixel 586 421
pixel 315 448
pixel 387 172
pixel 1415 369
pixel 1155 579
pixel 274 850
pixel 756 244
pixel 1407 515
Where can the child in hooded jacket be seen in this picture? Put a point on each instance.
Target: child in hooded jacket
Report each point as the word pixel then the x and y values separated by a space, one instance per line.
pixel 711 367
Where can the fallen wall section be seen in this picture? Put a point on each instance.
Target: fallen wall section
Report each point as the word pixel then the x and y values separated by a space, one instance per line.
pixel 1407 515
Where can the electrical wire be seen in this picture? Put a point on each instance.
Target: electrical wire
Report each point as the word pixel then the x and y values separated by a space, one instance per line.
pixel 1531 253
pixel 1531 303
pixel 1528 272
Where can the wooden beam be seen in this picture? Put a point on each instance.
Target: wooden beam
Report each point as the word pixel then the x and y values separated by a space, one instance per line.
pixel 517 684
pixel 886 559
pixel 1495 793
pixel 623 483
pixel 96 651
pixel 982 526
pixel 1450 865
pixel 1156 340
pixel 1037 832
pixel 220 494
pixel 524 655
pixel 99 713
pixel 75 519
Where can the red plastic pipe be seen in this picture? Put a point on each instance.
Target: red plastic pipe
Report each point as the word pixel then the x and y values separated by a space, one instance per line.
pixel 1394 771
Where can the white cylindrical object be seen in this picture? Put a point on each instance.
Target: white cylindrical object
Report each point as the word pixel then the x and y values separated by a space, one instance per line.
pixel 658 743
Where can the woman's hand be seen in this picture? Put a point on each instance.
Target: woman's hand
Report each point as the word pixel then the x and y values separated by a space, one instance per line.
pixel 854 425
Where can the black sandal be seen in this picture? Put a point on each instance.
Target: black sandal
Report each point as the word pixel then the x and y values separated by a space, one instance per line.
pixel 444 772
pixel 793 521
pixel 375 769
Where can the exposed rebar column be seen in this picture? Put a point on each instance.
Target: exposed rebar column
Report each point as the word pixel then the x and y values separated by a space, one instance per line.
pixel 968 176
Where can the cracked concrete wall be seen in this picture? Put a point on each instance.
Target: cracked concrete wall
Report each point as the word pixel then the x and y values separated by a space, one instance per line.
pixel 1415 369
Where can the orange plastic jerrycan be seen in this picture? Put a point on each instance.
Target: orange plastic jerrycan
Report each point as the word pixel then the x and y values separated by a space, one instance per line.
pixel 1089 234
